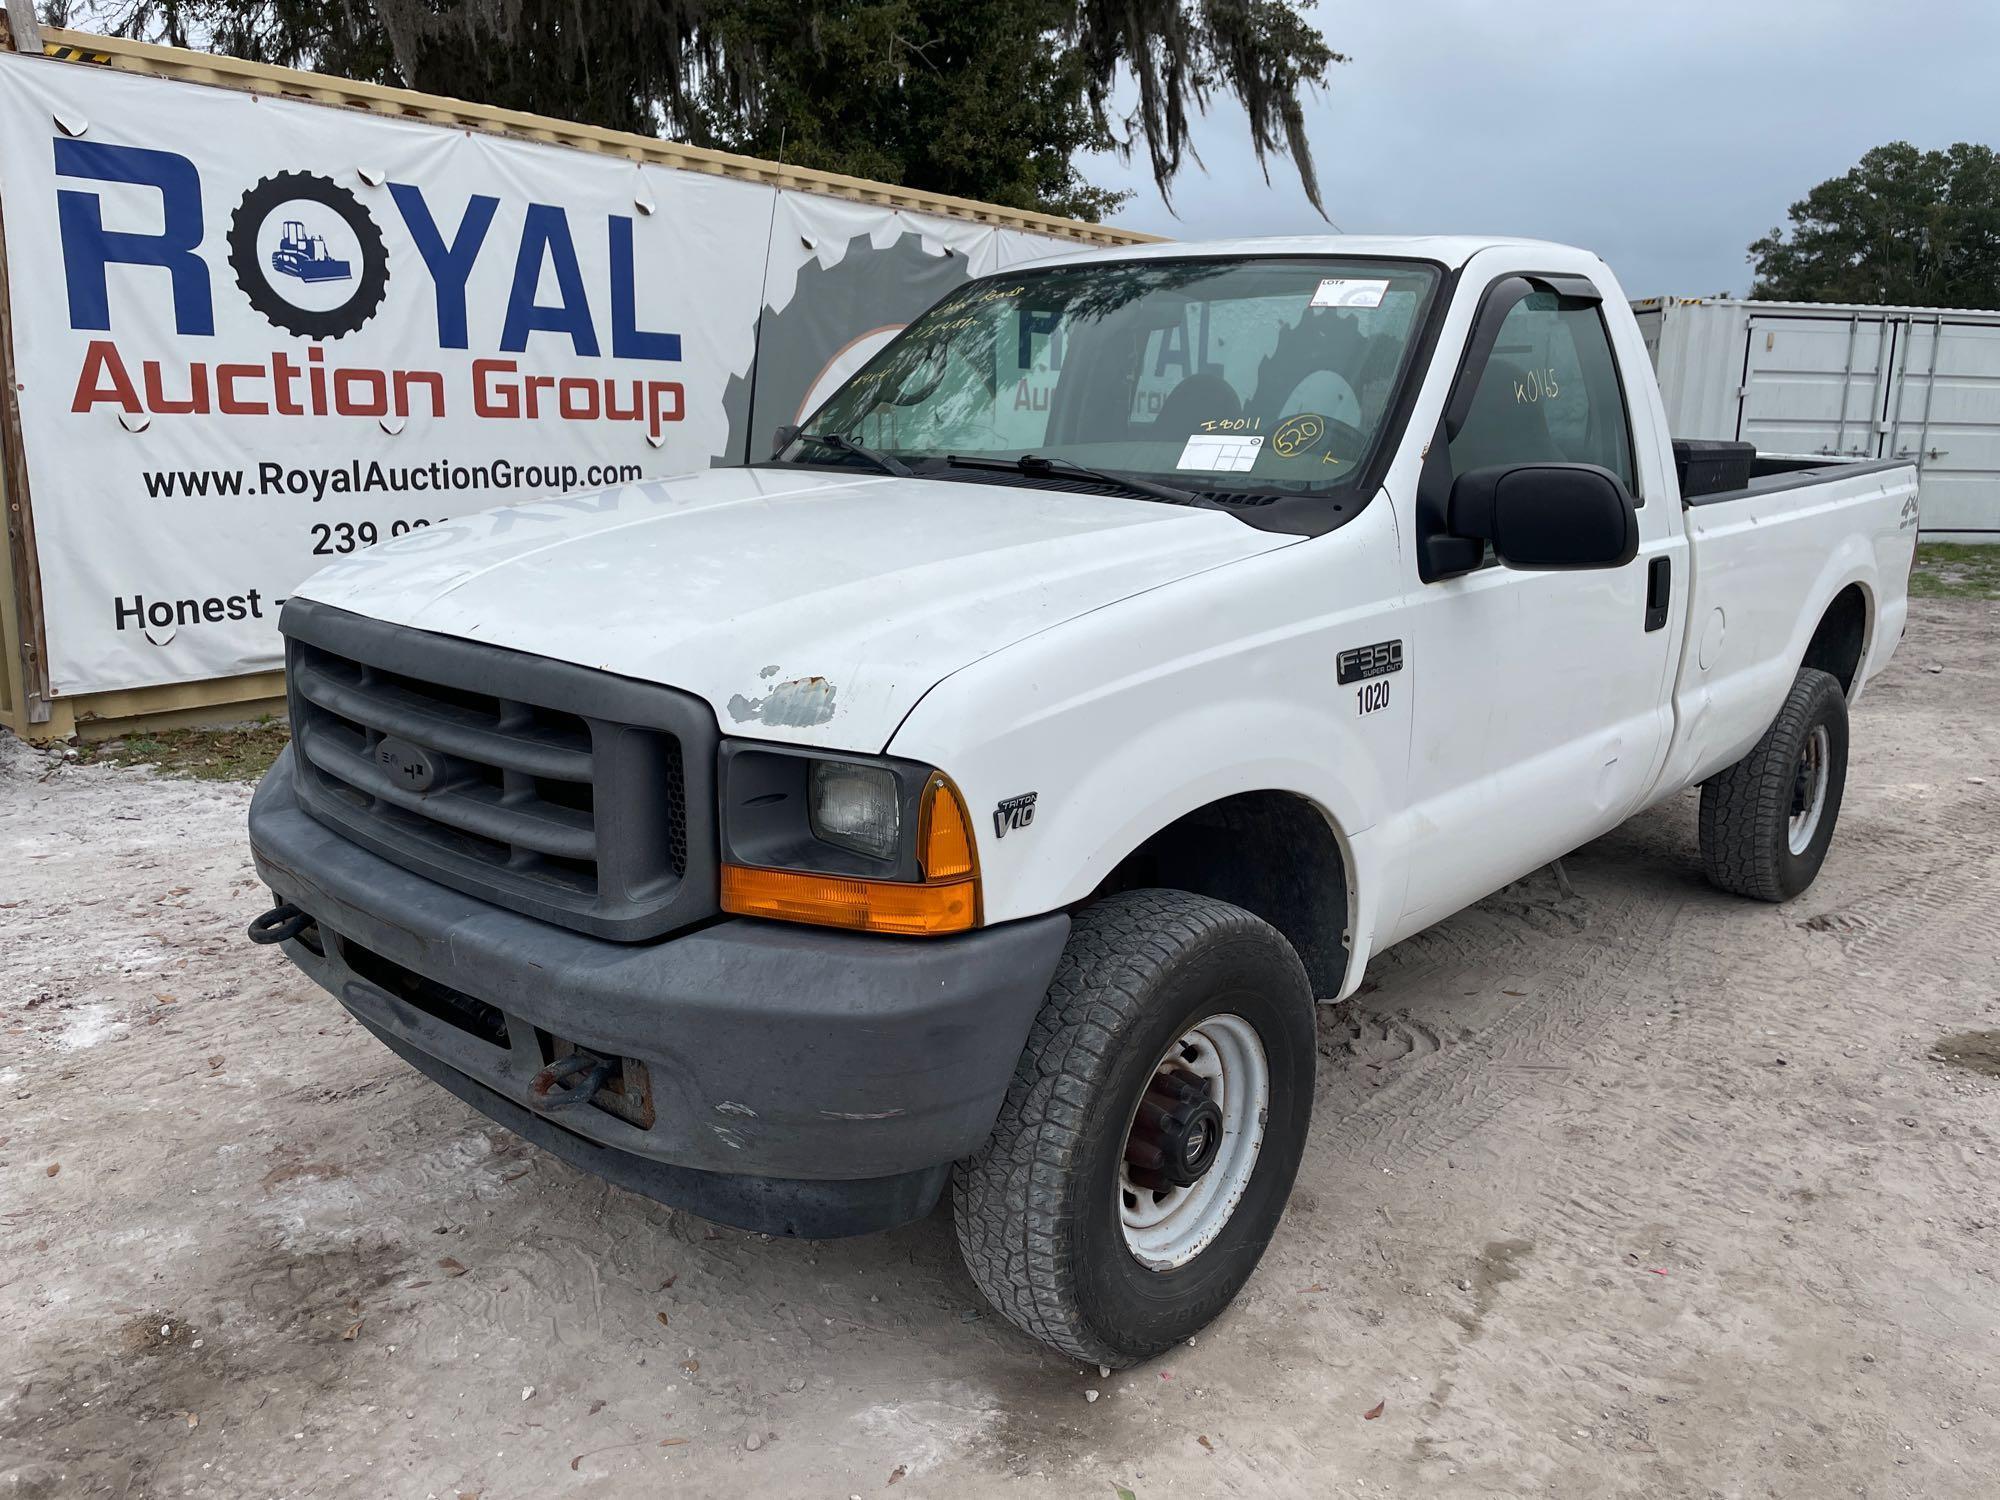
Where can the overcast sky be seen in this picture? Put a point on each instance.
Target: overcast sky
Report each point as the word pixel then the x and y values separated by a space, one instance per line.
pixel 1665 136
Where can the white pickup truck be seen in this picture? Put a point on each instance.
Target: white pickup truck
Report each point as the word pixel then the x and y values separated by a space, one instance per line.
pixel 979 792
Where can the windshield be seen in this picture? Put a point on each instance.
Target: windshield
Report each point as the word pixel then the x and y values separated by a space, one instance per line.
pixel 1215 374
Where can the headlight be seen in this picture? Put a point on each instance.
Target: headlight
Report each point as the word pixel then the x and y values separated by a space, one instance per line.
pixel 855 807
pixel 879 845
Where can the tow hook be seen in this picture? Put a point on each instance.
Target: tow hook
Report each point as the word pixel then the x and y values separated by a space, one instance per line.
pixel 557 1086
pixel 279 925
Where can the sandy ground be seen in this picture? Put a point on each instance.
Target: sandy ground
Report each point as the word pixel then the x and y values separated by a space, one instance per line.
pixel 1644 1191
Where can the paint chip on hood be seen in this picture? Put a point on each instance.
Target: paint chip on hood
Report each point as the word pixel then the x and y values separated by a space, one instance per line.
pixel 797 704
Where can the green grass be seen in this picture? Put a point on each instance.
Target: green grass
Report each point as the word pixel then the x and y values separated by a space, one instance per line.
pixel 1956 570
pixel 240 754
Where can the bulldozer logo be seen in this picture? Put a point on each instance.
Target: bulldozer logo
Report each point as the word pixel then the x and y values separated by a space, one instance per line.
pixel 308 255
pixel 304 256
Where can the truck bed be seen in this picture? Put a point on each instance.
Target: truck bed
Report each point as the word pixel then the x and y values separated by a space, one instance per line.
pixel 1764 561
pixel 1771 472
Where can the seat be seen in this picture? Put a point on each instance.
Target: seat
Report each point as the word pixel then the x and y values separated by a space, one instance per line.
pixel 1204 397
pixel 1327 393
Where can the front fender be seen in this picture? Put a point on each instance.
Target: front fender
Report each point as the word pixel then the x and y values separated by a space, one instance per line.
pixel 1122 721
pixel 1090 816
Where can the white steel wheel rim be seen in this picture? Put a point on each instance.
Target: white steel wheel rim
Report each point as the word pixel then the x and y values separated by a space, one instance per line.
pixel 1814 770
pixel 1167 1229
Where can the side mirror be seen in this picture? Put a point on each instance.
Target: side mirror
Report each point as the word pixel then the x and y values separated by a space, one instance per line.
pixel 1547 516
pixel 784 437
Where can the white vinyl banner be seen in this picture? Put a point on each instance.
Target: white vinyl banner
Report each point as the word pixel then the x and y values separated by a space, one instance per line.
pixel 254 335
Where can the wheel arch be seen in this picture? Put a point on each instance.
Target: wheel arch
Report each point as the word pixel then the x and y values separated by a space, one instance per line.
pixel 1835 631
pixel 1277 854
pixel 1841 640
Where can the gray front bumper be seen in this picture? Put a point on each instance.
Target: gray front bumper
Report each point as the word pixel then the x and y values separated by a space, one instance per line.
pixel 775 1052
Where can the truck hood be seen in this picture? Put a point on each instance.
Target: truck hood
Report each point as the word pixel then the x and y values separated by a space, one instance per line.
pixel 804 607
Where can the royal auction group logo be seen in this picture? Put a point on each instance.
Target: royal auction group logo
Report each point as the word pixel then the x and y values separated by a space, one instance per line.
pixel 308 256
pixel 312 260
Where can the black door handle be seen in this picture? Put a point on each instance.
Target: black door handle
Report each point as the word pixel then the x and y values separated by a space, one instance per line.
pixel 1659 591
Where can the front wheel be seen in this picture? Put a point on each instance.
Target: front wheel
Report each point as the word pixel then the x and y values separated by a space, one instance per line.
pixel 1152 1130
pixel 1766 822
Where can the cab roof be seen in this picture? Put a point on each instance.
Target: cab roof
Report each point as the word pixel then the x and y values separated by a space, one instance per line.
pixel 1450 250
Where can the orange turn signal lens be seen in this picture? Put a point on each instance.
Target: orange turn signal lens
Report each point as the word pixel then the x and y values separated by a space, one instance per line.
pixel 862 905
pixel 946 900
pixel 944 834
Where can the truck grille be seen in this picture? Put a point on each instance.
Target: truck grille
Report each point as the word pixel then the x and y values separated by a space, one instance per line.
pixel 572 795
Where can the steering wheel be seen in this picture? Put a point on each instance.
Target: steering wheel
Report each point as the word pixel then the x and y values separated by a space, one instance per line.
pixel 929 370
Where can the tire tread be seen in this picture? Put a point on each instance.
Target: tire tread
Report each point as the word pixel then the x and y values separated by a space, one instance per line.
pixel 1745 807
pixel 1012 1200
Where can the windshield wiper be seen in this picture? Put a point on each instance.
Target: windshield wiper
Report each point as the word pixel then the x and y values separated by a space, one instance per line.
pixel 1035 465
pixel 840 444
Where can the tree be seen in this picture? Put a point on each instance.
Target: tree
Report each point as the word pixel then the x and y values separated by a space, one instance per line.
pixel 1909 227
pixel 987 99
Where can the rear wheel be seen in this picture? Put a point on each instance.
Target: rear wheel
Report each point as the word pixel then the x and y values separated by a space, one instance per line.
pixel 1766 822
pixel 1149 1139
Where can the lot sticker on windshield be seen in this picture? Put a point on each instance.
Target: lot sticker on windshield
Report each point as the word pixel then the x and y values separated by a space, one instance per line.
pixel 1346 291
pixel 1300 434
pixel 1231 454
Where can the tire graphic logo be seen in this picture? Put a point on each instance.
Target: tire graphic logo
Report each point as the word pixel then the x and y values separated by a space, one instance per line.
pixel 805 351
pixel 308 255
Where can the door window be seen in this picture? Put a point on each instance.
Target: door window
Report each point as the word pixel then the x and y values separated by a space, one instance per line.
pixel 1549 394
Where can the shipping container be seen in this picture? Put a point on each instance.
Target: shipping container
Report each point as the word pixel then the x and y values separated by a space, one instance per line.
pixel 1833 378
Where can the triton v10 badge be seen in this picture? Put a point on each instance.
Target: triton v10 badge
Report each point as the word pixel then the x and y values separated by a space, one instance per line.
pixel 1013 813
